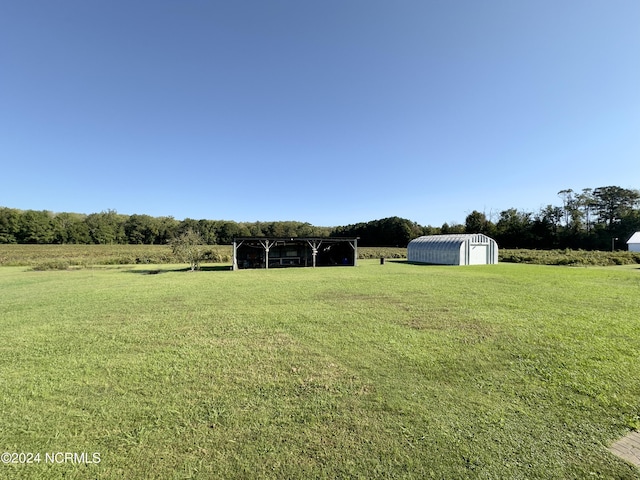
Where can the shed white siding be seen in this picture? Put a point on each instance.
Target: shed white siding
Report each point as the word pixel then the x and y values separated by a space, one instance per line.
pixel 461 249
pixel 634 242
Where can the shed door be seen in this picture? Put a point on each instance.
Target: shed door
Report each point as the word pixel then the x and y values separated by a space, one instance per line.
pixel 478 255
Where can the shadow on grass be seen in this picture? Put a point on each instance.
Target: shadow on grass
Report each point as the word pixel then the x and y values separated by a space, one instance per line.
pixel 396 260
pixel 205 268
pixel 214 268
pixel 404 261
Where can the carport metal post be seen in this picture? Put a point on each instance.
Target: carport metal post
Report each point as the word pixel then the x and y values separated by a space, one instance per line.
pixel 354 245
pixel 314 244
pixel 267 245
pixel 235 253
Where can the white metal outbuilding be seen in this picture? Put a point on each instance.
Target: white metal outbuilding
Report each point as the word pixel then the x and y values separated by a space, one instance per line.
pixel 458 249
pixel 634 242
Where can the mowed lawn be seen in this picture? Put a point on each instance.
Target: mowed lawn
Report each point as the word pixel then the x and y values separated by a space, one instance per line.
pixel 379 371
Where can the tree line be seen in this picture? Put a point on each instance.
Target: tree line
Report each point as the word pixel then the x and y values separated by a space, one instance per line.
pixel 593 219
pixel 110 227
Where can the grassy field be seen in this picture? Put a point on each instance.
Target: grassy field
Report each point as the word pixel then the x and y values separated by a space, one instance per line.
pixel 379 371
pixel 52 257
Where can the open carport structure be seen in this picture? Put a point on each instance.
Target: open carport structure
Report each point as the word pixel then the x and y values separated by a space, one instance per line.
pixel 276 252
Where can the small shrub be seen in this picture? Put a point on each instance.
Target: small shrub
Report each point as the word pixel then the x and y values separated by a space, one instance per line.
pixel 52 265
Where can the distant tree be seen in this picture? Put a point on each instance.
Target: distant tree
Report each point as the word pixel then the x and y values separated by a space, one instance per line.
pixel 513 229
pixel 62 225
pixel 386 232
pixel 35 227
pixel 612 203
pixel 188 224
pixel 429 230
pixel 107 227
pixel 256 229
pixel 286 229
pixel 321 231
pixel 227 231
pixel 586 203
pixel 208 231
pixel 9 225
pixel 451 229
pixel 167 229
pixel 567 199
pixel 477 222
pixel 552 216
pixel 189 247
pixel 546 226
pixel 78 232
pixel 307 230
pixel 141 229
pixel 354 230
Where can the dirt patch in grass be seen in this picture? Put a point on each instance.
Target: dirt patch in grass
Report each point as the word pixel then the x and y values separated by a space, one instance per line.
pixel 469 331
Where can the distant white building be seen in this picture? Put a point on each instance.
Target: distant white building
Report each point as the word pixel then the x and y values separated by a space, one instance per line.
pixel 457 249
pixel 634 242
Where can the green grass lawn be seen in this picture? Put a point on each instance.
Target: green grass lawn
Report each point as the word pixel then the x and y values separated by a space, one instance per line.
pixel 379 371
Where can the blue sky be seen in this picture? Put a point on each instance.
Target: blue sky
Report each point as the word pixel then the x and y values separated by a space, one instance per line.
pixel 330 112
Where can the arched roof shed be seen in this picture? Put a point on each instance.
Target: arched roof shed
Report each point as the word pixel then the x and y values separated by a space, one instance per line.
pixel 457 249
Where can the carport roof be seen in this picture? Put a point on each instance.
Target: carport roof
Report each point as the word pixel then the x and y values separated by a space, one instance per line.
pixel 297 239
